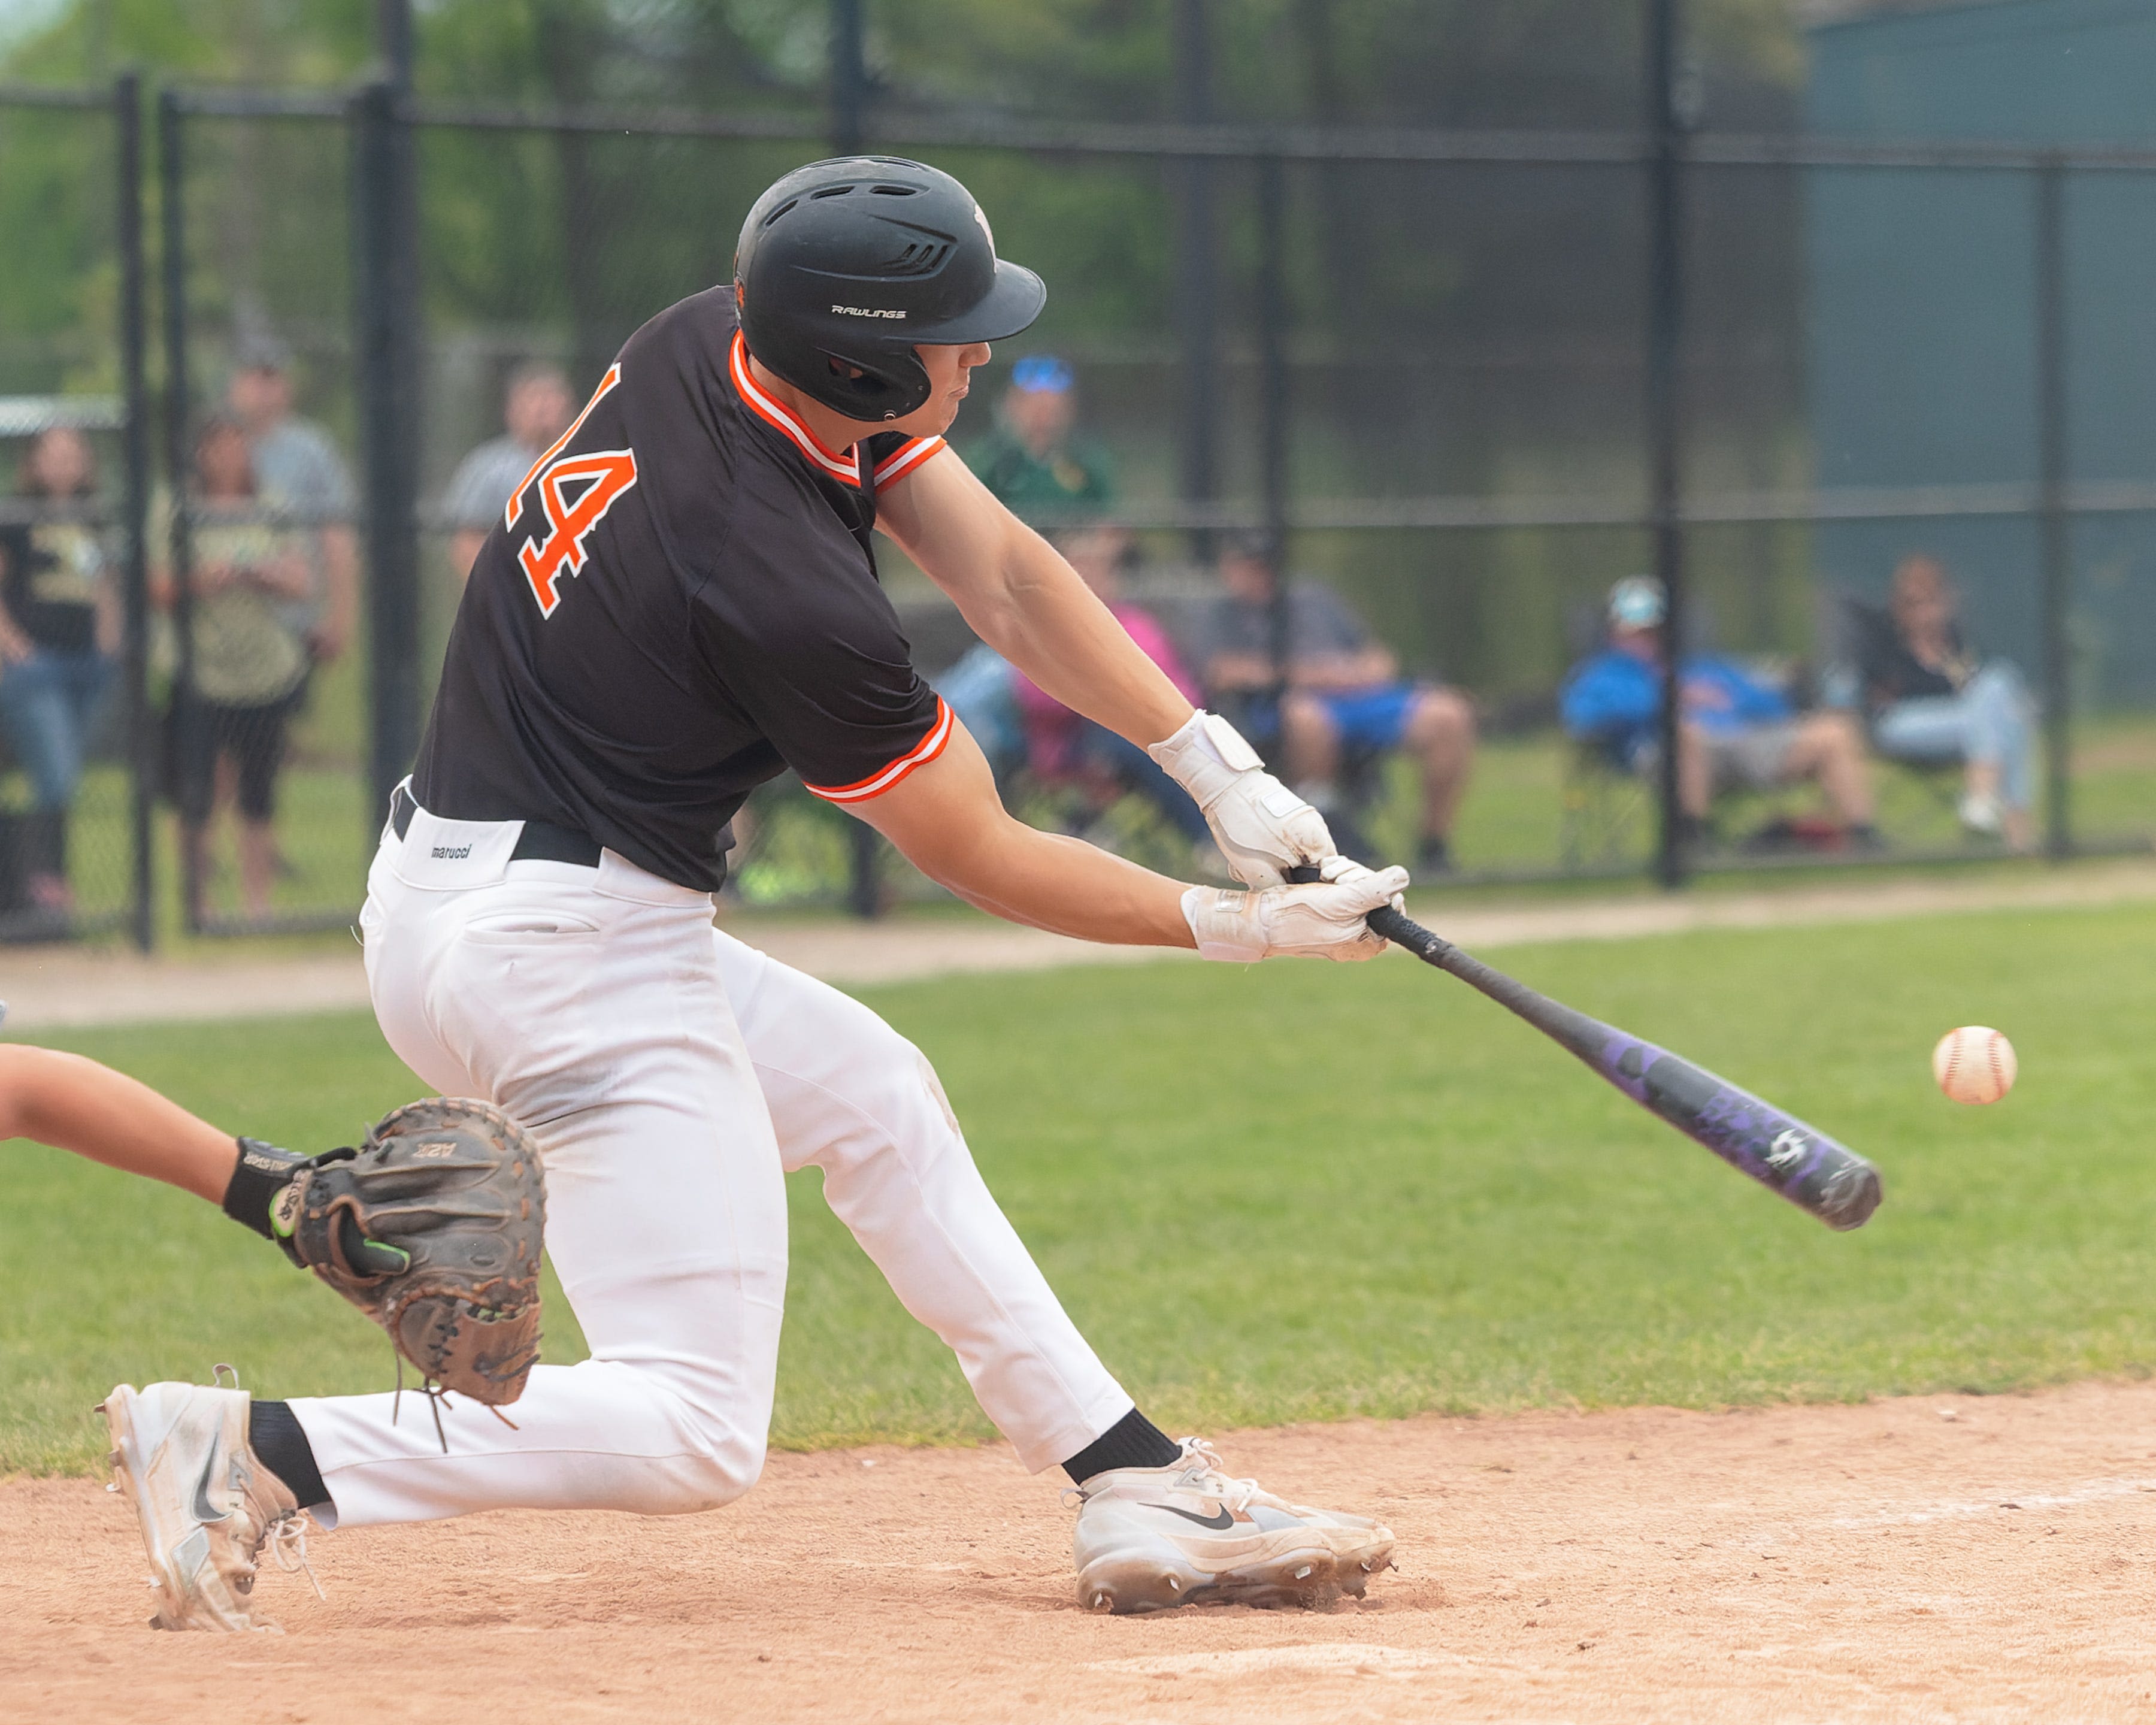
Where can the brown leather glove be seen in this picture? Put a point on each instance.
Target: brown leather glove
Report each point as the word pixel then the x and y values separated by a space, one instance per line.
pixel 454 1189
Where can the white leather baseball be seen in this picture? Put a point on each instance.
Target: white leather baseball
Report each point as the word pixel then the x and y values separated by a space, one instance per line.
pixel 1974 1063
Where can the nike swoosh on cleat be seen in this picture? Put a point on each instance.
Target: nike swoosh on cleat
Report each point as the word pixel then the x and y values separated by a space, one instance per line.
pixel 204 1510
pixel 1218 1523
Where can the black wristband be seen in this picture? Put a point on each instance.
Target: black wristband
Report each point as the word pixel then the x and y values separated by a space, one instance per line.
pixel 262 1172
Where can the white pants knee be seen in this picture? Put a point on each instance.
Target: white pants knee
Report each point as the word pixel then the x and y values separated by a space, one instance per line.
pixel 670 1074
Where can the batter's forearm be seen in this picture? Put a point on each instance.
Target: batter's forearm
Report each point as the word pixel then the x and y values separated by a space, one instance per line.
pixel 74 1104
pixel 1054 629
pixel 1067 887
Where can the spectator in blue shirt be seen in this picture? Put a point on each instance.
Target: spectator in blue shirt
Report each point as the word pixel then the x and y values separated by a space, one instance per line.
pixel 1736 731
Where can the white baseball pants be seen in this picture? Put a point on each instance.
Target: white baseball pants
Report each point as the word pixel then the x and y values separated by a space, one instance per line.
pixel 670 1074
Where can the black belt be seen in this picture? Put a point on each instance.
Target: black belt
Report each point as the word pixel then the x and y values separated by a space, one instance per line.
pixel 540 841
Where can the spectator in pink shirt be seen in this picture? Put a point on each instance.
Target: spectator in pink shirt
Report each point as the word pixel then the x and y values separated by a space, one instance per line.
pixel 1062 747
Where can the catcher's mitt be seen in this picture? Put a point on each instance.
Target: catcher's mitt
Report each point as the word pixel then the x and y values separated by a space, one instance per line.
pixel 453 1189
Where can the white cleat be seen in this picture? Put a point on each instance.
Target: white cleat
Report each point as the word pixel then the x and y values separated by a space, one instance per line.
pixel 1148 1539
pixel 206 1503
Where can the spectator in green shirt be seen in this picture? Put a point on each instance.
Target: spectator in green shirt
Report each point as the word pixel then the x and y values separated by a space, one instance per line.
pixel 1033 461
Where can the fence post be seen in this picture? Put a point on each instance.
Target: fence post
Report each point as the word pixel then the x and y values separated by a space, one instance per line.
pixel 848 72
pixel 172 242
pixel 385 254
pixel 395 42
pixel 1196 276
pixel 1273 414
pixel 849 77
pixel 1664 407
pixel 135 504
pixel 2056 520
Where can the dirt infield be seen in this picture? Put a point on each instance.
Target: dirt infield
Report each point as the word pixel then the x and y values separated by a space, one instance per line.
pixel 1947 1558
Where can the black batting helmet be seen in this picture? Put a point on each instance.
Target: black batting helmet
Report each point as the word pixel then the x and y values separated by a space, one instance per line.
pixel 844 265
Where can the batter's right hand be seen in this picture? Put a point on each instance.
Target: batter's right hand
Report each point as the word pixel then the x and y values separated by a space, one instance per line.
pixel 1321 919
pixel 1262 827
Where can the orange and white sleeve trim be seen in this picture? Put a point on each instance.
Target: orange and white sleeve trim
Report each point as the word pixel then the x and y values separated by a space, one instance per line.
pixel 905 458
pixel 876 784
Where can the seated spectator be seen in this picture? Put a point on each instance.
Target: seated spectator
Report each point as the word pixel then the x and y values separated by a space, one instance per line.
pixel 536 408
pixel 1736 732
pixel 1345 693
pixel 295 461
pixel 1061 744
pixel 59 626
pixel 1929 698
pixel 1034 462
pixel 250 662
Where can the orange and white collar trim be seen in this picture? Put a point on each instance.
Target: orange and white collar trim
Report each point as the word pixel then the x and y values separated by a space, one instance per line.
pixel 850 468
pixel 846 469
pixel 876 784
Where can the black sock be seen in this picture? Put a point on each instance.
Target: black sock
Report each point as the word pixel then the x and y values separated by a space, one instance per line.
pixel 1132 1441
pixel 273 1434
pixel 262 1172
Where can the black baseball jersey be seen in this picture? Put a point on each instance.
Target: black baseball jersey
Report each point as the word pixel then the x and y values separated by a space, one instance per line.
pixel 679 602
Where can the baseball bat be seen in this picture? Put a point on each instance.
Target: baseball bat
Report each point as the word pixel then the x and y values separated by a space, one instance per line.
pixel 1779 1151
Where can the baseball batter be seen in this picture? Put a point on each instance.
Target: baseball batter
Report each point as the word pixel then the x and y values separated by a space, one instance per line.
pixel 679 603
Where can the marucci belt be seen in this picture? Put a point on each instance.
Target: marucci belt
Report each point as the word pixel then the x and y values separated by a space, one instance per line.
pixel 540 841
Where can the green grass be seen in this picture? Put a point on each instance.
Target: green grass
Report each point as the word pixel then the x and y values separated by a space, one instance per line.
pixel 1307 1191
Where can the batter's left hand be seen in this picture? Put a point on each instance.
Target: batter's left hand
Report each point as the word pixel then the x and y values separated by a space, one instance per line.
pixel 1262 827
pixel 1323 919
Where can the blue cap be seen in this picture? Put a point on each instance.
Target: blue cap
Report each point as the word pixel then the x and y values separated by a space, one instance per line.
pixel 1042 371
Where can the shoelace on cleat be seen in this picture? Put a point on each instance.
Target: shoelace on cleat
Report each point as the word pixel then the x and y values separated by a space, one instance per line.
pixel 285 1539
pixel 1201 1473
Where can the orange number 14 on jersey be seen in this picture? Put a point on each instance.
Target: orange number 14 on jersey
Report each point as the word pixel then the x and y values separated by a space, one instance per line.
pixel 602 477
pixel 571 514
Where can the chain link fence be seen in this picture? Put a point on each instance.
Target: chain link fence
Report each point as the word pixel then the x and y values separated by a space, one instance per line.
pixel 70 492
pixel 1352 345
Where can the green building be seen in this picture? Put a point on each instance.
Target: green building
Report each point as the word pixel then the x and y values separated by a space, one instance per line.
pixel 1923 289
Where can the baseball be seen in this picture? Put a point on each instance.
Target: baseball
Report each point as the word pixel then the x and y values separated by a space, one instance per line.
pixel 1974 1063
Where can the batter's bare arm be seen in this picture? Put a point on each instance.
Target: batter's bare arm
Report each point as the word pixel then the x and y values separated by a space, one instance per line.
pixel 1022 599
pixel 1025 601
pixel 948 820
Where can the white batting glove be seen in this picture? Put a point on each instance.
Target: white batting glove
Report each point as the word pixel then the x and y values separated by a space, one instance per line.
pixel 1321 919
pixel 1262 827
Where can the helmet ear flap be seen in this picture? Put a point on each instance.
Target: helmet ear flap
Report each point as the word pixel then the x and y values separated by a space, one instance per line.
pixel 889 386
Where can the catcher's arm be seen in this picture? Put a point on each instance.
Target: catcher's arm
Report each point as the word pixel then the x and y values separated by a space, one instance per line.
pixel 458 1181
pixel 74 1104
